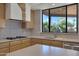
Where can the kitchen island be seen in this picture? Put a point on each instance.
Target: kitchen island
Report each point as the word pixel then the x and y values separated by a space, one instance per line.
pixel 43 50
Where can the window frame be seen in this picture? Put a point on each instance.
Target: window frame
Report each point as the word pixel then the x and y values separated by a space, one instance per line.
pixel 66 17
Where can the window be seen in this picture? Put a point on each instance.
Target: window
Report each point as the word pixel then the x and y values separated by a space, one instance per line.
pixel 60 19
pixel 72 18
pixel 45 21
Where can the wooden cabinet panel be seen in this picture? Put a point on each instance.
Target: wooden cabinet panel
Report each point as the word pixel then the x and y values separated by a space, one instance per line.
pixel 16 42
pixel 39 41
pixel 4 44
pixel 58 44
pixel 14 48
pixel 2 15
pixel 26 41
pixel 33 41
pixel 4 50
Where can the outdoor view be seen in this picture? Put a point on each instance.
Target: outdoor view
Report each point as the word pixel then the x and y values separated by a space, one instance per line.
pixel 45 23
pixel 71 24
pixel 57 22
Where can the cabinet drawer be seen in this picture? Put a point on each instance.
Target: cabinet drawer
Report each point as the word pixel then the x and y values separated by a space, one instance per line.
pixel 4 50
pixel 15 42
pixel 4 44
pixel 14 48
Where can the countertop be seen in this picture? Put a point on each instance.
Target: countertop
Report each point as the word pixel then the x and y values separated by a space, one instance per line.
pixel 6 40
pixel 43 50
pixel 58 39
pixel 42 37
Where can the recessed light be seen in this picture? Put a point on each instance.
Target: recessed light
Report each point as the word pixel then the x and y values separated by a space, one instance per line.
pixel 53 4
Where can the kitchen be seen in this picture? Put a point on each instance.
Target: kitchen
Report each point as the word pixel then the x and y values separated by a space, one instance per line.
pixel 21 30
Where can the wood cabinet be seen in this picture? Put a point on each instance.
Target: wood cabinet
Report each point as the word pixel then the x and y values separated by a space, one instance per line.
pixel 58 44
pixel 25 43
pixel 13 11
pixel 47 42
pixel 15 45
pixel 4 47
pixel 2 15
pixel 34 41
pixel 30 24
pixel 19 44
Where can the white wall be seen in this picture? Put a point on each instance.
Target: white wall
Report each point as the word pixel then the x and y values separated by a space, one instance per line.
pixel 37 29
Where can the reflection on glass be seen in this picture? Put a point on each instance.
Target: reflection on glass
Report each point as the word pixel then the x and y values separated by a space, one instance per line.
pixel 45 21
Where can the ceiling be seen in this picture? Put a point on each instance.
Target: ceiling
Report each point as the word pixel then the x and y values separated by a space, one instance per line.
pixel 38 6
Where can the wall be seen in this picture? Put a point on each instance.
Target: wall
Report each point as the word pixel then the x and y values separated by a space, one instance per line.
pixel 37 29
pixel 12 29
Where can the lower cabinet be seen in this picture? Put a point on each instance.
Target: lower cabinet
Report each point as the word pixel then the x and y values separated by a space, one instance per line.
pixel 19 44
pixel 50 42
pixel 15 45
pixel 7 47
pixel 25 43
pixel 57 43
pixel 34 41
pixel 14 48
pixel 4 48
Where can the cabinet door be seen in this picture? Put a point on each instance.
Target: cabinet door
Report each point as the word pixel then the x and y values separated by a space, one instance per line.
pixel 25 43
pixel 16 42
pixel 4 50
pixel 4 45
pixel 14 48
pixel 2 15
pixel 33 41
pixel 58 44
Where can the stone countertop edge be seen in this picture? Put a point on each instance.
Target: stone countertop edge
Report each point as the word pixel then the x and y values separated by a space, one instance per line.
pixel 55 39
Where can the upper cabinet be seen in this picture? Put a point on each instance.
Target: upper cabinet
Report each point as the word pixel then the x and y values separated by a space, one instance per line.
pixel 13 11
pixel 30 23
pixel 27 15
pixel 28 12
pixel 2 15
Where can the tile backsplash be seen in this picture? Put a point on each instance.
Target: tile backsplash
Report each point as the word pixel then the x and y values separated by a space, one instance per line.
pixel 13 28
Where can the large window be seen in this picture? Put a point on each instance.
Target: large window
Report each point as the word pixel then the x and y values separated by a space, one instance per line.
pixel 60 19
pixel 45 21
